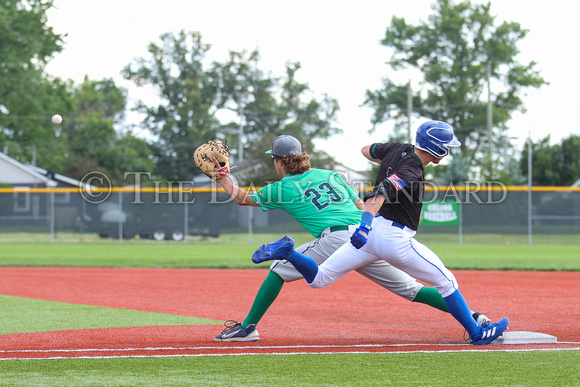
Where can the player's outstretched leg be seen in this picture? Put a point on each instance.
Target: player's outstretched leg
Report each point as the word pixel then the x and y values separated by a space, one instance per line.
pixel 269 291
pixel 283 248
pixel 275 250
pixel 431 296
pixel 479 335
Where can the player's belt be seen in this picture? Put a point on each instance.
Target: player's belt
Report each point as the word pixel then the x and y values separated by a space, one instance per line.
pixel 338 228
pixel 399 225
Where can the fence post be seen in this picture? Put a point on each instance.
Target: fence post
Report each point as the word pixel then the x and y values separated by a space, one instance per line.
pixel 250 222
pixel 82 220
pixel 460 220
pixel 186 221
pixel 121 218
pixel 529 190
pixel 51 221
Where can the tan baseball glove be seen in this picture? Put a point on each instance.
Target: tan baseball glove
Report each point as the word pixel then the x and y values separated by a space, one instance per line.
pixel 212 158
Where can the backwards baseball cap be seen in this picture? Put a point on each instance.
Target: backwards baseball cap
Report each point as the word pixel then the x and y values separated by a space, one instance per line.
pixel 285 145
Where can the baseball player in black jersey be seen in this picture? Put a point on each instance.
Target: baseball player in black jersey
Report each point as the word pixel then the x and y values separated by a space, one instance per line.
pixel 389 223
pixel 400 167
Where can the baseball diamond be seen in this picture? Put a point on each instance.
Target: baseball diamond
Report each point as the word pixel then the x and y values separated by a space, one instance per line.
pixel 350 309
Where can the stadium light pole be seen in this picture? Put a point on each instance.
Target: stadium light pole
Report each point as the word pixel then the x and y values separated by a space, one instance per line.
pixel 241 137
pixel 489 120
pixel 409 110
pixel 241 157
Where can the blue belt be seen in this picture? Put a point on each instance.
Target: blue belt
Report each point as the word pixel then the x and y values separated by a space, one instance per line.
pixel 399 225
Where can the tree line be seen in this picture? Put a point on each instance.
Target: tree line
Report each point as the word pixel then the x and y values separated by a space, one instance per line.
pixel 458 50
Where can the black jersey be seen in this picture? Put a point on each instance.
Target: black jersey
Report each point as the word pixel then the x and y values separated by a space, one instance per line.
pixel 401 180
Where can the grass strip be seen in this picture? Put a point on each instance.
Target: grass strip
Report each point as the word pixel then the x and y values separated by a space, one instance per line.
pixel 237 255
pixel 538 368
pixel 21 315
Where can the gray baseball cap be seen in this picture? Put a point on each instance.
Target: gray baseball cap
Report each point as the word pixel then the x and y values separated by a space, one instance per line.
pixel 285 145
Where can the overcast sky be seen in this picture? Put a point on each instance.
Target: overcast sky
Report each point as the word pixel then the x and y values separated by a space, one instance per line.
pixel 337 43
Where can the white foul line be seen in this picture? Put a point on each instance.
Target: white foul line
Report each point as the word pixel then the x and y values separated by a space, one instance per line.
pixel 246 347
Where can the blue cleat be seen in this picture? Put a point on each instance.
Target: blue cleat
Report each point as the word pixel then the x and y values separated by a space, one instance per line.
pixel 275 250
pixel 491 332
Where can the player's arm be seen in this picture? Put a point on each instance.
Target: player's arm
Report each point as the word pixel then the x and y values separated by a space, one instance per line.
pixel 240 195
pixel 371 207
pixel 359 203
pixel 366 151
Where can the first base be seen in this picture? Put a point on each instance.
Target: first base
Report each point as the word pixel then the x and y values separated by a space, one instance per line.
pixel 522 337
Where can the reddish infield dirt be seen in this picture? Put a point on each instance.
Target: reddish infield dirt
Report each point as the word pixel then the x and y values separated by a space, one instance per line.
pixel 352 315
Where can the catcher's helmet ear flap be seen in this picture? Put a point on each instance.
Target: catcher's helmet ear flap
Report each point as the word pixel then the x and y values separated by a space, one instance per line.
pixel 436 137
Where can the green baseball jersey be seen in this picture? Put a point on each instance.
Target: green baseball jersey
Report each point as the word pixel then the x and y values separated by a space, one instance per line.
pixel 317 199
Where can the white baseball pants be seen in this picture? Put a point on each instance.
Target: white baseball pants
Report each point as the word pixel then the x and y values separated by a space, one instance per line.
pixel 397 247
pixel 378 271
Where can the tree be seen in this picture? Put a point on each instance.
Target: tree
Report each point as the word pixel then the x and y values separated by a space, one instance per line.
pixel 553 165
pixel 94 143
pixel 28 98
pixel 186 116
pixel 268 106
pixel 201 100
pixel 87 139
pixel 453 50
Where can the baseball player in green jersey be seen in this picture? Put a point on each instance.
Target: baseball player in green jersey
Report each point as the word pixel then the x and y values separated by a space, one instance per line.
pixel 330 209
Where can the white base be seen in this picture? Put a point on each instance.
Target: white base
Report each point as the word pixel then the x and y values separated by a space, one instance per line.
pixel 522 337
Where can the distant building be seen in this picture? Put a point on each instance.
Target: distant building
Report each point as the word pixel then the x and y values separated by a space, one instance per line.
pixel 60 180
pixel 23 209
pixel 16 174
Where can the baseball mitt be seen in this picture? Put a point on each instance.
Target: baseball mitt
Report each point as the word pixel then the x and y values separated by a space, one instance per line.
pixel 212 158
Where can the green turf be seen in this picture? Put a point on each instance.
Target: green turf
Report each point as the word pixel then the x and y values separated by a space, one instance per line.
pixel 21 315
pixel 425 235
pixel 498 239
pixel 110 255
pixel 542 368
pixel 511 257
pixel 235 252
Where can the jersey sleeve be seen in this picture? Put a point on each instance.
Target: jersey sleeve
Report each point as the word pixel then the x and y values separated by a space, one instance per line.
pixel 267 197
pixel 379 150
pixel 394 178
pixel 388 188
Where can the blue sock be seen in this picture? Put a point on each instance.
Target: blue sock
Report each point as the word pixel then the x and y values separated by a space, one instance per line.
pixel 459 309
pixel 305 265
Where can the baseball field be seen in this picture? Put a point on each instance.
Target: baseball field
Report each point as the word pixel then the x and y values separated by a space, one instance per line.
pixel 146 313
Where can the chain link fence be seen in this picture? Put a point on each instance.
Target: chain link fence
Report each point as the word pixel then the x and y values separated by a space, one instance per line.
pixel 66 214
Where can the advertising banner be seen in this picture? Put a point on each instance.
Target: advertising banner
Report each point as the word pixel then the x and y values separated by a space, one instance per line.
pixel 440 213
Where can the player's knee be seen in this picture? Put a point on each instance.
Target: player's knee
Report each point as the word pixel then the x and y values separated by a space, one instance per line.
pixel 447 289
pixel 325 276
pixel 317 285
pixel 319 282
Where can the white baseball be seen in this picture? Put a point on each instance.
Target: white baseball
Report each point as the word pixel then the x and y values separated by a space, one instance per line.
pixel 56 119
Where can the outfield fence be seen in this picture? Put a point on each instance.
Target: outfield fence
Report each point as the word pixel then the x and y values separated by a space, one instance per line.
pixel 182 213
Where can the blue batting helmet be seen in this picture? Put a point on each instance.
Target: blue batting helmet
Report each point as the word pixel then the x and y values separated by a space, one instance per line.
pixel 436 137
